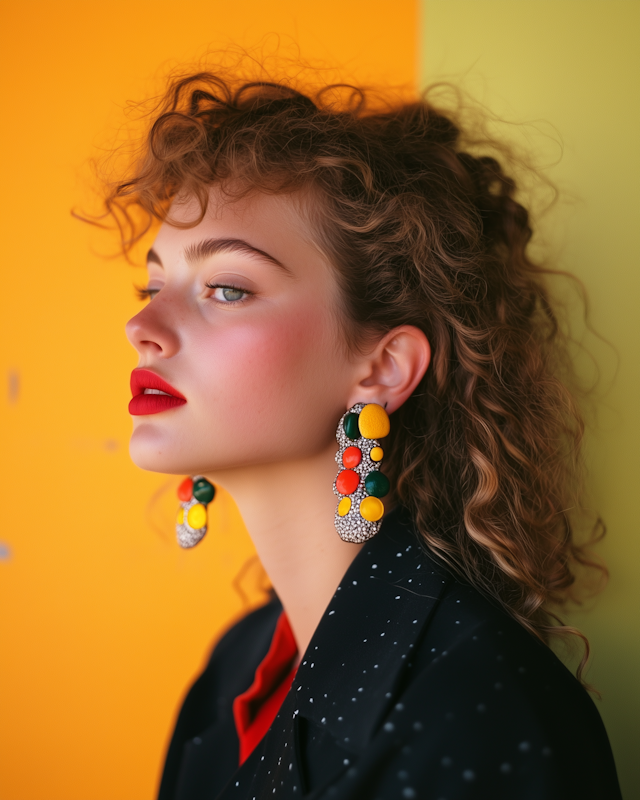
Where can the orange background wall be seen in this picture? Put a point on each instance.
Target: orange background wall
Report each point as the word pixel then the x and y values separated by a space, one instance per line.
pixel 103 620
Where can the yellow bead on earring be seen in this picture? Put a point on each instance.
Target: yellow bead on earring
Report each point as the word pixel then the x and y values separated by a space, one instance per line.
pixel 374 422
pixel 372 509
pixel 376 454
pixel 344 506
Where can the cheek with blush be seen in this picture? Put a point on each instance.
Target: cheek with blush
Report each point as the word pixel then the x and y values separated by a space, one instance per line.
pixel 267 385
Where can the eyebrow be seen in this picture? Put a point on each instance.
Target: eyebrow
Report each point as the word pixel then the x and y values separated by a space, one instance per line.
pixel 153 258
pixel 208 247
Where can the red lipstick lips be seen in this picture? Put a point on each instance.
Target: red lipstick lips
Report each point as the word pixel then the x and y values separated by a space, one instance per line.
pixel 152 403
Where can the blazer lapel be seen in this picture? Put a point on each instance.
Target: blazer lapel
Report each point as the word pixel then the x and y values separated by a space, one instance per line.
pixel 355 662
pixel 356 659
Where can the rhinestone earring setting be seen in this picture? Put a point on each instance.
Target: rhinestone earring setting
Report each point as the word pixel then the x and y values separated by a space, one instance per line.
pixel 360 484
pixel 194 494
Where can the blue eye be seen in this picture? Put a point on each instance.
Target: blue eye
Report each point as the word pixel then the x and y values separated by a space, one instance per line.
pixel 228 294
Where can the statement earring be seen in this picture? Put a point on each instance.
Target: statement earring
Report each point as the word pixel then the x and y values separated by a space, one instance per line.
pixel 360 483
pixel 194 494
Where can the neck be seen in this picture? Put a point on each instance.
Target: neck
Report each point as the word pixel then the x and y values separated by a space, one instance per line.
pixel 288 510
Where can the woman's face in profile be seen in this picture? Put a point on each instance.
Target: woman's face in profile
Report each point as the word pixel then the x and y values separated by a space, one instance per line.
pixel 243 324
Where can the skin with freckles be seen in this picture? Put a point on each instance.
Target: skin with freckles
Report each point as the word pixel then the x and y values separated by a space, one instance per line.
pixel 243 321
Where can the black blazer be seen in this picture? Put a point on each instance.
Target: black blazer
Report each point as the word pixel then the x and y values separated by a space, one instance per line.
pixel 413 686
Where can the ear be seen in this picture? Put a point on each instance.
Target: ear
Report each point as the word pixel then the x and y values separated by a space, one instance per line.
pixel 392 370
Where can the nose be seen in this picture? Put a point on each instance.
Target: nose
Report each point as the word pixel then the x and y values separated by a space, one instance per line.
pixel 151 331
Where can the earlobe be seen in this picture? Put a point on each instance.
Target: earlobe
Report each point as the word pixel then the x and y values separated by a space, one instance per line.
pixel 394 368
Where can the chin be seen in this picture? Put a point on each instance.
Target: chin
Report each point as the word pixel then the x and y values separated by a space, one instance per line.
pixel 154 452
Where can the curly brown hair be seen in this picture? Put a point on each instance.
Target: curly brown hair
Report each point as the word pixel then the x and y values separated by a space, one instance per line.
pixel 421 231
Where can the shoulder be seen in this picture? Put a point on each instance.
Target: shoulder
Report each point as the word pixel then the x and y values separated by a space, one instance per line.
pixel 206 712
pixel 229 671
pixel 421 687
pixel 472 631
pixel 251 633
pixel 471 639
pixel 495 708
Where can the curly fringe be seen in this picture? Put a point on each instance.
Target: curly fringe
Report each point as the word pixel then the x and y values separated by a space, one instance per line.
pixel 422 230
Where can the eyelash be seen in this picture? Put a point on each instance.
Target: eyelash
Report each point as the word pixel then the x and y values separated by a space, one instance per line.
pixel 144 293
pixel 234 288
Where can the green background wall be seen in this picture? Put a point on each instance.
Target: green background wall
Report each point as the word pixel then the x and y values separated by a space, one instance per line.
pixel 571 68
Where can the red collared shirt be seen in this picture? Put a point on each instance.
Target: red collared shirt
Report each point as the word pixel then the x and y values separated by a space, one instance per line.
pixel 255 709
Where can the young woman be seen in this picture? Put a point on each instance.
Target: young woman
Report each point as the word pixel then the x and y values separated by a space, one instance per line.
pixel 334 282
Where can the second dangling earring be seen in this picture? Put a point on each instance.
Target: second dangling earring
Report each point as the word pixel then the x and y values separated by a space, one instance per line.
pixel 194 494
pixel 360 483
